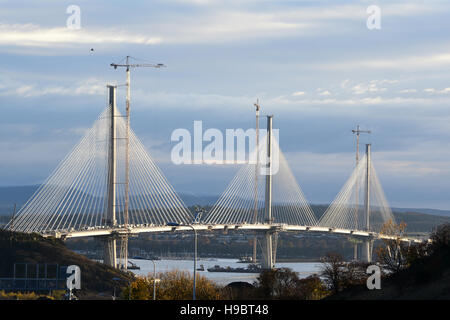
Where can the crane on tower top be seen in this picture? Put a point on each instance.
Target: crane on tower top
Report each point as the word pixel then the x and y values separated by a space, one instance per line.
pixel 128 65
pixel 358 132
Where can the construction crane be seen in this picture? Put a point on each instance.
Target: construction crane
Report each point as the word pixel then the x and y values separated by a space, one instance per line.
pixel 357 132
pixel 128 66
pixel 255 213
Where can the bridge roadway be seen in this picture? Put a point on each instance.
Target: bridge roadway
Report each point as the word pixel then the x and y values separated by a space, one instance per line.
pixel 136 229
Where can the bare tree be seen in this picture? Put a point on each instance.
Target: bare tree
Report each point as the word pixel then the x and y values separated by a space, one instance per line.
pixel 394 254
pixel 339 274
pixel 333 269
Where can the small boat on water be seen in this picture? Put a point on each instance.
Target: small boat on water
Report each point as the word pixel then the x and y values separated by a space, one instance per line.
pixel 133 266
pixel 202 268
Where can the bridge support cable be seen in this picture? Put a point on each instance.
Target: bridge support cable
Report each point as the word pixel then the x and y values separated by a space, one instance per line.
pixel 276 199
pixel 75 196
pixel 237 204
pixel 372 210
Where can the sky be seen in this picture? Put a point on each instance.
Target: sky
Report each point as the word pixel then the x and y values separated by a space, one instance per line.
pixel 314 65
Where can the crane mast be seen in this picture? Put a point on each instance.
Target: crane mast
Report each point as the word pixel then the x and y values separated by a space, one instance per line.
pixel 255 213
pixel 357 132
pixel 128 66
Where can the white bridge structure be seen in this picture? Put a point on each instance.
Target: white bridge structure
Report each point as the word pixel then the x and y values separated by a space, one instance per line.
pixel 108 186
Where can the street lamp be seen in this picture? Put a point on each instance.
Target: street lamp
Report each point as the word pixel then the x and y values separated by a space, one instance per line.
pixel 174 224
pixel 154 279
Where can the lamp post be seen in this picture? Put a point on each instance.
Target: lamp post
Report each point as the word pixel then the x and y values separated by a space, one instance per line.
pixel 154 279
pixel 173 224
pixel 195 259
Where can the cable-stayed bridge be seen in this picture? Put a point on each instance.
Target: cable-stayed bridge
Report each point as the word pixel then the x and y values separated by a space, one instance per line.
pixel 108 186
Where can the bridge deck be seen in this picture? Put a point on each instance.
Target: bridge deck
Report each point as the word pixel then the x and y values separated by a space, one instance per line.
pixel 92 232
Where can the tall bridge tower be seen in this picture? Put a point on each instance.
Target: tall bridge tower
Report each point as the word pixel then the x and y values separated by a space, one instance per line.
pixel 367 244
pixel 109 252
pixel 269 259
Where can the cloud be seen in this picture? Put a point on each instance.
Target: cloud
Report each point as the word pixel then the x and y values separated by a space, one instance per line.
pixel 216 22
pixel 408 91
pixel 90 86
pixel 345 83
pixel 437 91
pixel 34 35
pixel 395 63
pixel 372 86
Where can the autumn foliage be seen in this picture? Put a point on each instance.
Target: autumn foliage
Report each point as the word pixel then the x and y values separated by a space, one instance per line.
pixel 173 285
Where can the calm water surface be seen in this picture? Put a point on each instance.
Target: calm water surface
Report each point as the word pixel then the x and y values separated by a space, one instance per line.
pixel 304 269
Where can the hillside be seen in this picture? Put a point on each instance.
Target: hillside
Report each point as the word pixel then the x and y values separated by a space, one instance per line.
pixel 427 277
pixel 31 248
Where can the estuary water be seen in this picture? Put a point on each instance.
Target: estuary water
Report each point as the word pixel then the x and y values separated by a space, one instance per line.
pixel 304 269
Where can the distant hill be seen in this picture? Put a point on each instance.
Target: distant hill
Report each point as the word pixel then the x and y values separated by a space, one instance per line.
pixel 418 220
pixel 201 200
pixel 15 195
pixel 436 212
pixel 20 194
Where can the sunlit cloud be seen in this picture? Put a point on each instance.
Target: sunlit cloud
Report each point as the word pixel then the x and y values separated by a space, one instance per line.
pixel 396 63
pixel 33 35
pixel 90 86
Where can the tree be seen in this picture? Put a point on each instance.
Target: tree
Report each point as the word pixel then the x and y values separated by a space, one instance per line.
pixel 339 274
pixel 277 284
pixel 333 271
pixel 440 238
pixel 284 284
pixel 173 285
pixel 312 288
pixel 139 289
pixel 394 255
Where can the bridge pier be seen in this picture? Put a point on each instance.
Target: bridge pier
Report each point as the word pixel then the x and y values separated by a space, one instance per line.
pixel 356 247
pixel 366 252
pixel 110 252
pixel 269 256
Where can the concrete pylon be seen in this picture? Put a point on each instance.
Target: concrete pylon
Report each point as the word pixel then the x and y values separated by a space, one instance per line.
pixel 268 256
pixel 367 187
pixel 366 252
pixel 110 250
